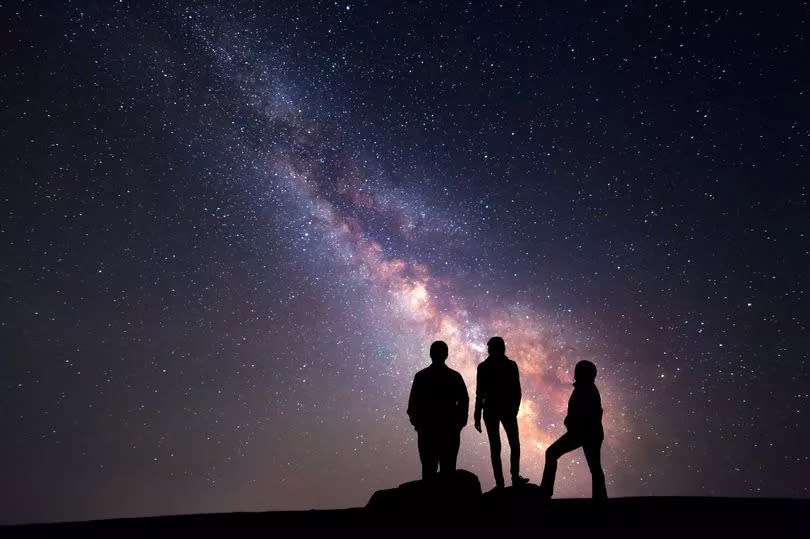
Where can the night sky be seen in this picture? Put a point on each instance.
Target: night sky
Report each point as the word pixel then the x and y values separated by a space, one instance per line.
pixel 229 233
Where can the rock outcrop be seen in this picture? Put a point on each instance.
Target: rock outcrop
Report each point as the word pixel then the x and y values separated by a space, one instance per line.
pixel 446 492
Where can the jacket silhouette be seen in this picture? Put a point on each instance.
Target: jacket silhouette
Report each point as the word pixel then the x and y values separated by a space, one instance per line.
pixel 584 429
pixel 497 396
pixel 438 408
pixel 584 417
pixel 497 386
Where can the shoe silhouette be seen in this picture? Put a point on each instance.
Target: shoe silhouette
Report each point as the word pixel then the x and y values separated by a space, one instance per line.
pixel 519 480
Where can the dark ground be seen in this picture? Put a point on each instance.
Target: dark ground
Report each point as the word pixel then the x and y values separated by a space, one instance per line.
pixel 496 514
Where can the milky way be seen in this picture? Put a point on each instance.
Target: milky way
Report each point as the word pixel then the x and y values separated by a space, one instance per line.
pixel 231 234
pixel 406 300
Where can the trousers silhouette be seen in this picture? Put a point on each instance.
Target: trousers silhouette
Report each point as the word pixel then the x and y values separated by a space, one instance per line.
pixel 568 442
pixel 438 449
pixel 509 421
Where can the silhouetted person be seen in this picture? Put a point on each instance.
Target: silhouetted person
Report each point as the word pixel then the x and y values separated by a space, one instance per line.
pixel 438 408
pixel 497 393
pixel 584 425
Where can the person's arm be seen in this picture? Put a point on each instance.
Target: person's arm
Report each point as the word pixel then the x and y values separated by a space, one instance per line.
pixel 570 416
pixel 517 389
pixel 463 402
pixel 597 406
pixel 480 394
pixel 414 402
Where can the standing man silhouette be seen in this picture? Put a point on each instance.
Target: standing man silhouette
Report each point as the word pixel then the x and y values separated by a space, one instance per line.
pixel 438 408
pixel 497 394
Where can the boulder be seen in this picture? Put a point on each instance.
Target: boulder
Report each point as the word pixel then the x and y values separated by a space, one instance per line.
pixel 445 493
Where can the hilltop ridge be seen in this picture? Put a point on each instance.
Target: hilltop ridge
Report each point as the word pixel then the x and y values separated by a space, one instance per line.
pixel 458 507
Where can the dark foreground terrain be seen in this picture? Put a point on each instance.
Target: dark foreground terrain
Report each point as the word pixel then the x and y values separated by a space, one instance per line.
pixel 413 511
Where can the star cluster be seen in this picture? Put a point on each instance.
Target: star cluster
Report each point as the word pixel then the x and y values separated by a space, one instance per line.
pixel 231 230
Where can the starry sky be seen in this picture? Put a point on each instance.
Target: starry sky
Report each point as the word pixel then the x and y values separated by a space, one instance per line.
pixel 230 231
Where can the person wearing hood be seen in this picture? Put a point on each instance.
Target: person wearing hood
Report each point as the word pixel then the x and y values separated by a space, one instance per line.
pixel 584 429
pixel 497 395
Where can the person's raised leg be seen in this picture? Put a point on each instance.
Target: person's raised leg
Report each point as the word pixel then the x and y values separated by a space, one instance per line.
pixel 563 445
pixel 493 425
pixel 593 457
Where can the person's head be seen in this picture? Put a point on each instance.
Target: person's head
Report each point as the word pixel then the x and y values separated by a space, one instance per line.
pixel 438 351
pixel 496 346
pixel 585 372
